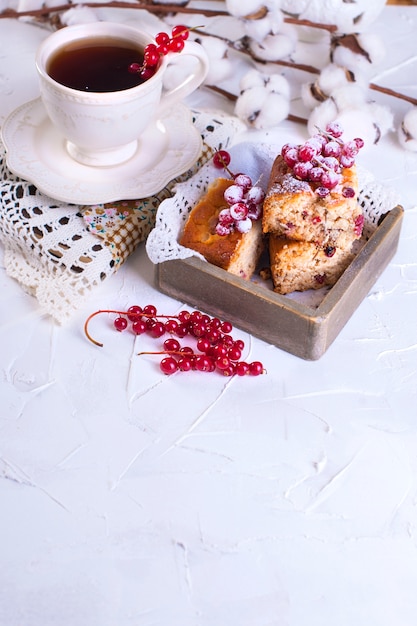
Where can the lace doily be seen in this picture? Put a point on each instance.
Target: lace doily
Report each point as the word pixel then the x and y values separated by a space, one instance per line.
pixel 255 160
pixel 60 252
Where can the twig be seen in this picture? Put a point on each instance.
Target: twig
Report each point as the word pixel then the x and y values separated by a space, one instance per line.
pixel 115 4
pixel 232 98
pixel 391 92
pixel 239 47
pixel 294 20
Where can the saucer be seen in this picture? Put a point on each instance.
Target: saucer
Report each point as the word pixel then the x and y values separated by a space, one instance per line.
pixel 36 152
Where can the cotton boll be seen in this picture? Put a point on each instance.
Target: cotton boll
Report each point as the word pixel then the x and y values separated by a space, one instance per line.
pixel 383 117
pixel 249 103
pixel 349 96
pixel 242 8
pixel 270 23
pixel 264 100
pixel 253 78
pixel 275 109
pixel 259 29
pixel 322 115
pixel 359 123
pixel 278 84
pixel 176 73
pixel 354 16
pixel 332 77
pixel 79 15
pixel 261 109
pixel 357 51
pixel 407 132
pixel 311 95
pixel 220 66
pixel 273 47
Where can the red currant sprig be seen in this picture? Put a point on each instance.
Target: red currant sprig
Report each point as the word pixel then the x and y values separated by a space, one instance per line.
pixel 153 52
pixel 216 350
pixel 321 159
pixel 244 200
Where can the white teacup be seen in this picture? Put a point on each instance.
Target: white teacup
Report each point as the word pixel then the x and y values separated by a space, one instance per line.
pixel 103 128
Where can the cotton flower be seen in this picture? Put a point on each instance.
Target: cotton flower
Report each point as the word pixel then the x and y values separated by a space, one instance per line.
pixel 407 132
pixel 331 79
pixel 259 27
pixel 368 121
pixel 246 8
pixel 220 66
pixel 264 100
pixel 273 47
pixel 357 51
pixel 79 15
pixel 349 17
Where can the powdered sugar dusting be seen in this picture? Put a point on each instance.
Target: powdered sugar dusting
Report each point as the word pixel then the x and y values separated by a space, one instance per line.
pixel 290 184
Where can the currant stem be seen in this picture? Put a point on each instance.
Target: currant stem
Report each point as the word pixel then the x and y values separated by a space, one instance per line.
pixel 115 311
pixel 170 352
pixel 87 322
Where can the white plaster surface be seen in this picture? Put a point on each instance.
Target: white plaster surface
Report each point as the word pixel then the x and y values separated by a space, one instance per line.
pixel 128 498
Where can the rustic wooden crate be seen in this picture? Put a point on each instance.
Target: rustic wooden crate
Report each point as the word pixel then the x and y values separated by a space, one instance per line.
pixel 304 331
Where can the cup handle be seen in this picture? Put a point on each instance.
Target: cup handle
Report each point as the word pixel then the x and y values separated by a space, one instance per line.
pixel 191 82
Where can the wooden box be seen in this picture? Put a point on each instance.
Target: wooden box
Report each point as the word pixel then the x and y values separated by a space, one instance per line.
pixel 304 331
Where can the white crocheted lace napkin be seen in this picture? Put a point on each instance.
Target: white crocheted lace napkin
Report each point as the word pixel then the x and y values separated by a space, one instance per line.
pixel 60 252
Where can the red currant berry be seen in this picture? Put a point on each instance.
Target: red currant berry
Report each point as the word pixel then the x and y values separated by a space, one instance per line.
pixel 134 68
pixel 162 38
pixel 229 371
pixel 256 368
pixel 176 44
pixel 222 362
pixel 199 329
pixel 168 365
pixel 147 73
pixel 241 368
pixel 171 345
pixel 151 57
pixel 180 31
pixel 134 312
pixel 239 343
pixel 139 327
pixel 234 353
pixel 184 316
pixel 149 323
pixel 157 329
pixel 226 327
pixel 149 310
pixel 120 323
pixel 187 350
pixel 171 326
pixel 185 363
pixel 203 345
pixel 203 363
pixel 163 49
pixel 221 159
pixel 181 330
pixel 227 340
pixel 219 350
pixel 213 335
